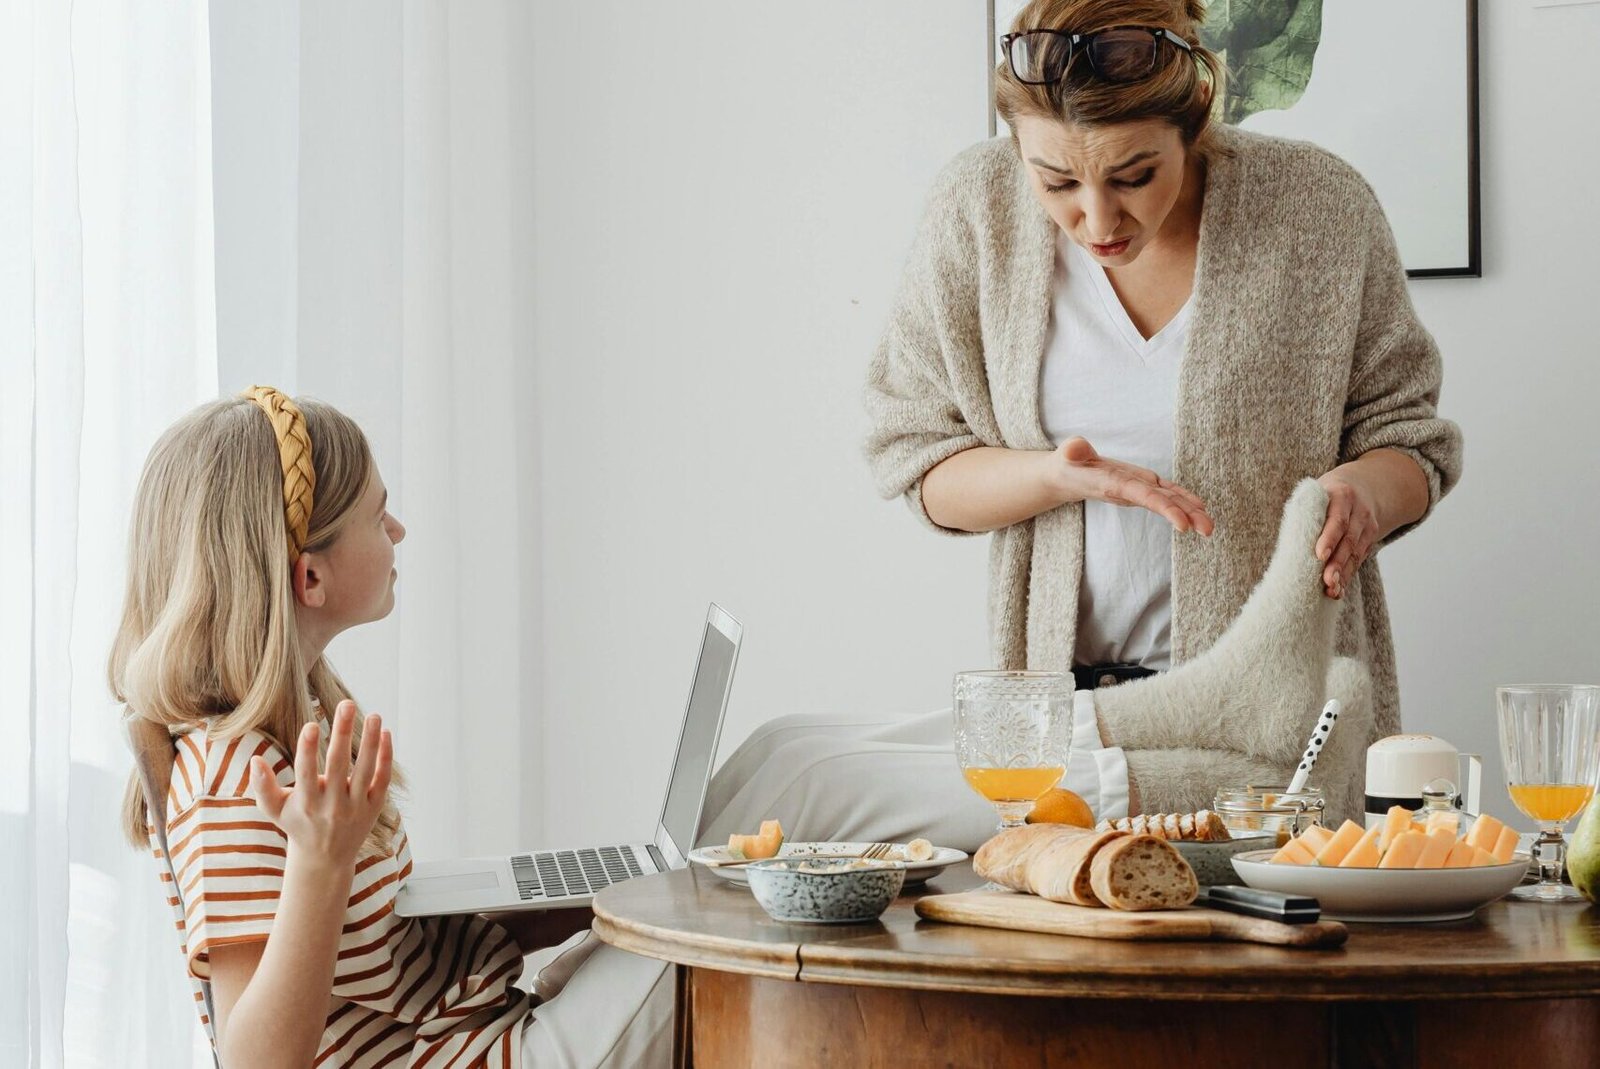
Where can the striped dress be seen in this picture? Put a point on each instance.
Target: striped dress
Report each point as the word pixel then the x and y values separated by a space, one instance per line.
pixel 430 991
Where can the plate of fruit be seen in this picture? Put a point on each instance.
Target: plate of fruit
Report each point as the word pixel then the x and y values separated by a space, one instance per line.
pixel 921 858
pixel 1405 869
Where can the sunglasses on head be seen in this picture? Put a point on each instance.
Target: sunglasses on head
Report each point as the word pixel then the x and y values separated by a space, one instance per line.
pixel 1117 54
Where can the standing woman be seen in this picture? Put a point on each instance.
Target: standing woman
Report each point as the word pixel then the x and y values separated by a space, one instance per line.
pixel 1123 335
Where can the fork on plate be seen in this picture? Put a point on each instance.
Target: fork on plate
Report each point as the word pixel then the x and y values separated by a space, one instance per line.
pixel 871 852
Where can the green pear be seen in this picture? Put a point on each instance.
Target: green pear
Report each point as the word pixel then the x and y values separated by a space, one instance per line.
pixel 1583 853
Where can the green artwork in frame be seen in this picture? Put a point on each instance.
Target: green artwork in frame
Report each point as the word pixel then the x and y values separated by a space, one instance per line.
pixel 1269 47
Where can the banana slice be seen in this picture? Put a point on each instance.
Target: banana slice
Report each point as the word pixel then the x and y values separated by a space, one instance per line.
pixel 919 850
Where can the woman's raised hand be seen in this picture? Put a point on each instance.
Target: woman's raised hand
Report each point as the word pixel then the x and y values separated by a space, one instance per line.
pixel 1088 476
pixel 329 813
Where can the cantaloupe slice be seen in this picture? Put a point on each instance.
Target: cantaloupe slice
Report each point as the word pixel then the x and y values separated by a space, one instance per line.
pixel 1438 847
pixel 1364 855
pixel 1480 856
pixel 1343 841
pixel 1447 819
pixel 1395 823
pixel 757 847
pixel 1505 847
pixel 1404 851
pixel 1461 856
pixel 1293 852
pixel 1316 837
pixel 1485 832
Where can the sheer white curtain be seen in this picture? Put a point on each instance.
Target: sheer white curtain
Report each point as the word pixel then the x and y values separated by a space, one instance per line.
pixel 106 334
pixel 369 245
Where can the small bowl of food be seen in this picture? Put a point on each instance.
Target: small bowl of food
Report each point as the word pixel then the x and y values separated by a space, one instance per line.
pixel 1213 861
pixel 825 890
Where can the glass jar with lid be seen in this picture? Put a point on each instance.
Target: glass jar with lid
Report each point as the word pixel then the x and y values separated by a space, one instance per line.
pixel 1253 810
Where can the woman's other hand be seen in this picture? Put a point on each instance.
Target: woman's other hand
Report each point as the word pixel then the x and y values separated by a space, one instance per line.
pixel 1087 476
pixel 328 814
pixel 1350 531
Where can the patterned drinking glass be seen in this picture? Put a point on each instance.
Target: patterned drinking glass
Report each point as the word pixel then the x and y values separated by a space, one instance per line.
pixel 1013 736
pixel 1550 742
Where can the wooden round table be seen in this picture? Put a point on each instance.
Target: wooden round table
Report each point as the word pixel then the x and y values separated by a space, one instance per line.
pixel 1519 984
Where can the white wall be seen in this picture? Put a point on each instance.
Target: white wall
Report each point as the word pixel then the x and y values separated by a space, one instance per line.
pixel 722 197
pixel 1502 585
pixel 725 194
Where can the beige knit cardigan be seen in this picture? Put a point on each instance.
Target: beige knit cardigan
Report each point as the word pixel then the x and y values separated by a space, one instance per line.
pixel 1304 352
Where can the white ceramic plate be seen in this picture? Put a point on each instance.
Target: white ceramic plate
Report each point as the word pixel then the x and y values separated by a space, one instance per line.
pixel 1385 894
pixel 916 871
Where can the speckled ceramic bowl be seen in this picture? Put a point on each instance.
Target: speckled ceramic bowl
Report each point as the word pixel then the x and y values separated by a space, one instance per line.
pixel 1213 862
pixel 825 892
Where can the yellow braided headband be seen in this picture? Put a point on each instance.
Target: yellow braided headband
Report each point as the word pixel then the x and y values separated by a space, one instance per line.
pixel 294 451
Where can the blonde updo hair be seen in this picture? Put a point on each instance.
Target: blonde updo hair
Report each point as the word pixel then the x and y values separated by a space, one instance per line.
pixel 1180 91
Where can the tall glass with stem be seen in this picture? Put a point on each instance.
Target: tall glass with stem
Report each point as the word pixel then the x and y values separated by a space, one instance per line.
pixel 1013 736
pixel 1550 742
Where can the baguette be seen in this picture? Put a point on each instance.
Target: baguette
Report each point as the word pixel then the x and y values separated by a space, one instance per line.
pixel 1203 826
pixel 1048 860
pixel 1142 872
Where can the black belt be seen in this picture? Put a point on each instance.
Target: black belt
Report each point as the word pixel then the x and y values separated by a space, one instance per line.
pixel 1092 676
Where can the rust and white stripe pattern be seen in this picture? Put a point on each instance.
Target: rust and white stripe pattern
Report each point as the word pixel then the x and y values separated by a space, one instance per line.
pixel 424 992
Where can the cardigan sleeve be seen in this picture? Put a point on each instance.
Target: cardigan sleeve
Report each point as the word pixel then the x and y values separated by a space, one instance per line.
pixel 912 400
pixel 1395 375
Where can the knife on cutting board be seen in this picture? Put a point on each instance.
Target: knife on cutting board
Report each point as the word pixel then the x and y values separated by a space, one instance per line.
pixel 1000 909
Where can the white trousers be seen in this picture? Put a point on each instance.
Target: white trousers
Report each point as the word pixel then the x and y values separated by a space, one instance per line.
pixel 613 1012
pixel 882 780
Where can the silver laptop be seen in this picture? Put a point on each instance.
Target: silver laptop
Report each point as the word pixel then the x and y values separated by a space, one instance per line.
pixel 554 879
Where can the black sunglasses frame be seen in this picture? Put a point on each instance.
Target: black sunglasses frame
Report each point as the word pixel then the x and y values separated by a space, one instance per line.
pixel 1082 41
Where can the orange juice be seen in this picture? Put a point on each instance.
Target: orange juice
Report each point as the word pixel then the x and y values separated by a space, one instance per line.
pixel 1551 802
pixel 1013 784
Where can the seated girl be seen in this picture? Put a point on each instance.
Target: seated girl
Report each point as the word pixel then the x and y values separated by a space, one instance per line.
pixel 260 532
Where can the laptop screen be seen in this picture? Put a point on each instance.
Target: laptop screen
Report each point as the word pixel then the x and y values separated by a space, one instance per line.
pixel 701 726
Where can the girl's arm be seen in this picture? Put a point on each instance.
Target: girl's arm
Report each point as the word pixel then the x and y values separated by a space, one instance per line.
pixel 272 999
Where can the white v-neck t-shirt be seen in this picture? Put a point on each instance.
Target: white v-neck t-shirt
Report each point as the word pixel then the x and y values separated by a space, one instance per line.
pixel 1104 381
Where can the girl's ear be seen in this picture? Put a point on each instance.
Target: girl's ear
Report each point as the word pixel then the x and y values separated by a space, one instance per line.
pixel 308 588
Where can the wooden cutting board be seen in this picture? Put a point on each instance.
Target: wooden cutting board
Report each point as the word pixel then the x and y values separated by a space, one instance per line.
pixel 1029 913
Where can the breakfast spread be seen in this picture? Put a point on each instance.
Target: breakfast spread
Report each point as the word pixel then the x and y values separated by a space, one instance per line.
pixel 1203 826
pixel 1403 841
pixel 1088 867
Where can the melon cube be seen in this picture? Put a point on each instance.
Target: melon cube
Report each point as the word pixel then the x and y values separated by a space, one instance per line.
pixel 1438 847
pixel 1343 841
pixel 1293 852
pixel 1395 823
pixel 1364 855
pixel 1505 846
pixel 1316 837
pixel 1481 857
pixel 1404 851
pixel 1461 856
pixel 1448 820
pixel 1485 832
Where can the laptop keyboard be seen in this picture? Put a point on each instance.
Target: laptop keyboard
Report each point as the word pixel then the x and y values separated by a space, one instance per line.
pixel 563 873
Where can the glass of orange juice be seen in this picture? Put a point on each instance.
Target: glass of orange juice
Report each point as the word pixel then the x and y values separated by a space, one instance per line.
pixel 1550 742
pixel 1013 735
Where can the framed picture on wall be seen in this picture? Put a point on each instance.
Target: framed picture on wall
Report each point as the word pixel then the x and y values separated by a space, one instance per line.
pixel 1392 88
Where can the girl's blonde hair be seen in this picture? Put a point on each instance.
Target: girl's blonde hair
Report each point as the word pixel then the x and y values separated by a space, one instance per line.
pixel 208 636
pixel 1181 90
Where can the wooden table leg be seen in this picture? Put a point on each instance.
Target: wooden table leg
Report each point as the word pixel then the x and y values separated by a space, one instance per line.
pixel 682 1020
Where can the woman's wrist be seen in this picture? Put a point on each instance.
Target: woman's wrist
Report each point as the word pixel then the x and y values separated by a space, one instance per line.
pixel 1393 482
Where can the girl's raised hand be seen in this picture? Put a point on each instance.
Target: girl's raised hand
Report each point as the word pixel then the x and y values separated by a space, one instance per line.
pixel 328 814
